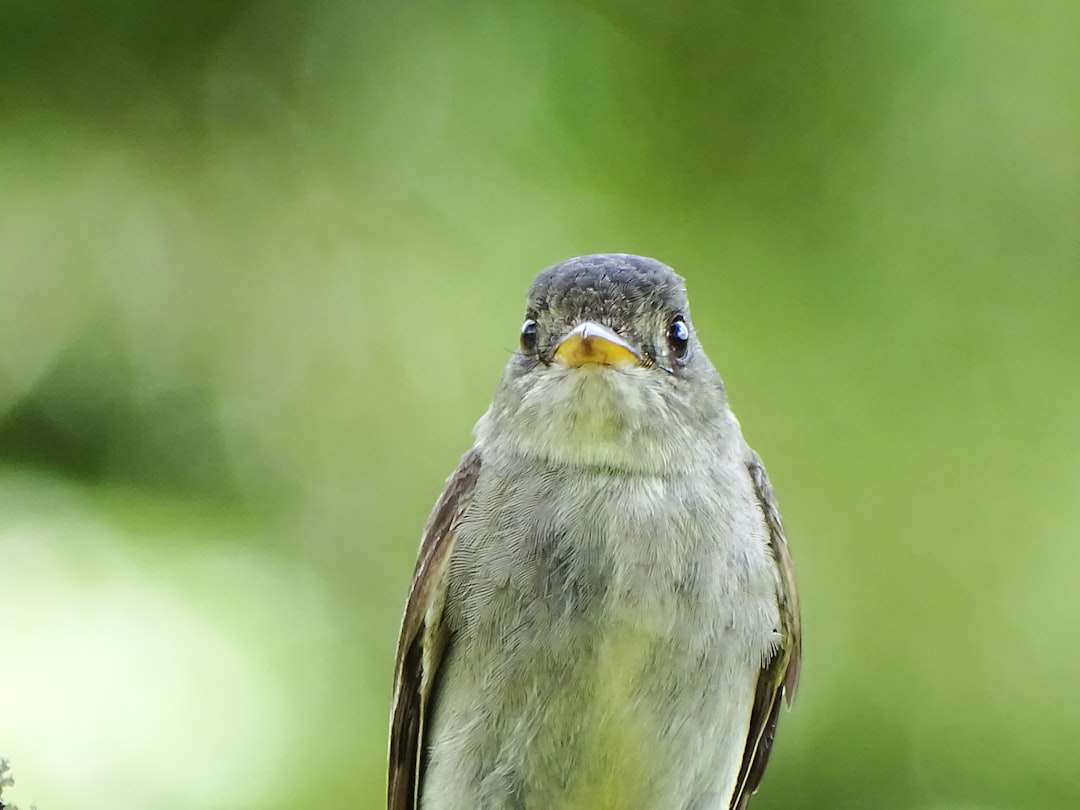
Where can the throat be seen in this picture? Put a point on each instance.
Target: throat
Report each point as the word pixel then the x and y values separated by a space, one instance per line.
pixel 590 439
pixel 590 429
pixel 603 418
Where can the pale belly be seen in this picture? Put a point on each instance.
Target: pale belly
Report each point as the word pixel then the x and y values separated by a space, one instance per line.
pixel 603 656
pixel 637 725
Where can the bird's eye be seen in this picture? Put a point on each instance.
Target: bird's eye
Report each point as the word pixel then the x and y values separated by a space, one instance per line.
pixel 530 335
pixel 678 337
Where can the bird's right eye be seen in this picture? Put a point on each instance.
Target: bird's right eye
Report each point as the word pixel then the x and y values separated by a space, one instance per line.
pixel 530 336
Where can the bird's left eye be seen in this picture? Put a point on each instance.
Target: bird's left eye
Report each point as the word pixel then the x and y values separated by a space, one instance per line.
pixel 530 336
pixel 678 337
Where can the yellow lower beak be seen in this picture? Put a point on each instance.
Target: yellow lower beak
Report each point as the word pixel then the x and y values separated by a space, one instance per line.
pixel 591 344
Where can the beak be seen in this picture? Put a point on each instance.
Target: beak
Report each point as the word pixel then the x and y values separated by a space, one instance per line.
pixel 591 344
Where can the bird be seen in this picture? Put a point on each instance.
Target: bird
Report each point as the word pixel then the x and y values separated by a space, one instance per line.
pixel 603 614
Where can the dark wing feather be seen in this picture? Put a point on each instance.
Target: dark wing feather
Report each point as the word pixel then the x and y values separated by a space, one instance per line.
pixel 779 677
pixel 423 639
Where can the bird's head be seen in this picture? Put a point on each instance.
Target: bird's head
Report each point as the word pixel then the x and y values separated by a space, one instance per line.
pixel 609 372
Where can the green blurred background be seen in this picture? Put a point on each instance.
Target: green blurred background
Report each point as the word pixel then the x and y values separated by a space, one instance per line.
pixel 261 264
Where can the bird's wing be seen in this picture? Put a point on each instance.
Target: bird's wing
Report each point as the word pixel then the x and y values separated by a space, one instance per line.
pixel 423 640
pixel 779 678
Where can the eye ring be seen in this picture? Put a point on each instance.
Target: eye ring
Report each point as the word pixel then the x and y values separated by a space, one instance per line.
pixel 678 337
pixel 530 336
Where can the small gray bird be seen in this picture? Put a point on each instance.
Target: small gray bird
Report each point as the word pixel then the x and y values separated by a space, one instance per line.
pixel 603 614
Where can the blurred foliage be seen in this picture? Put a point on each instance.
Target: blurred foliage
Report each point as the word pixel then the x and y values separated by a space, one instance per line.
pixel 261 264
